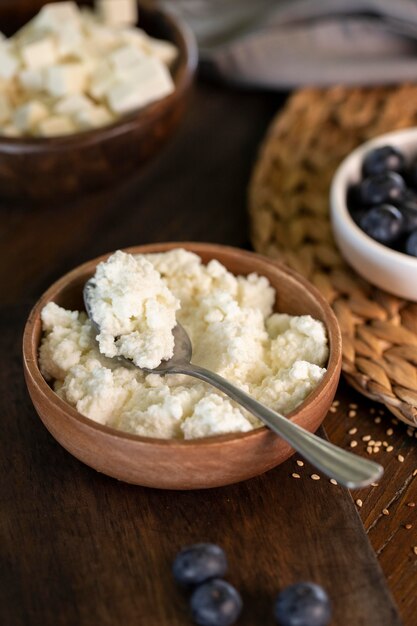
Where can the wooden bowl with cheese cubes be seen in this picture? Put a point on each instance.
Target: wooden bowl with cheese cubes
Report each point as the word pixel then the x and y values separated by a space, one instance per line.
pixel 88 93
pixel 175 463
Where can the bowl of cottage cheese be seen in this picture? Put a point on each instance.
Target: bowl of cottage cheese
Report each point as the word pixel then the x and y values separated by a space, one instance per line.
pixel 252 321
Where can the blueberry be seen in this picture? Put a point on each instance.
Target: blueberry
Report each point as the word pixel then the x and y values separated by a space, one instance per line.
pixel 198 563
pixel 388 187
pixel 409 213
pixel 215 603
pixel 303 604
pixel 382 160
pixel 383 223
pixel 411 244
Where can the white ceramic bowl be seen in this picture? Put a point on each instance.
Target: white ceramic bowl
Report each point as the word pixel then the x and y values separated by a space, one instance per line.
pixel 388 269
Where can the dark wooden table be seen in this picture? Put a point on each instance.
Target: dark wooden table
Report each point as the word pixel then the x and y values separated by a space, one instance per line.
pixel 78 548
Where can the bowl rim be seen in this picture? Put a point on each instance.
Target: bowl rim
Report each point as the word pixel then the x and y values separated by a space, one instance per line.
pixel 338 190
pixel 182 79
pixel 30 352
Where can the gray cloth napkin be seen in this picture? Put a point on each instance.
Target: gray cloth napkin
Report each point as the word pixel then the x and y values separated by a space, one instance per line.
pixel 289 43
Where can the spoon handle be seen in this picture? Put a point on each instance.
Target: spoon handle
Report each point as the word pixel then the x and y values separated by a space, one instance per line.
pixel 348 469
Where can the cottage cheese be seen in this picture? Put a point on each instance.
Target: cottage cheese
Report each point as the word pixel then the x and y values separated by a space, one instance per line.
pixel 277 358
pixel 134 310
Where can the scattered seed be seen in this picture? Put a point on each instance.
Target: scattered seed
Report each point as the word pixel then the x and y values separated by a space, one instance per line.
pixel 369 449
pixel 390 432
pixel 352 413
pixel 415 472
pixel 352 405
pixel 371 442
pixel 332 409
pixel 408 526
pixel 372 411
pixel 353 443
pixel 376 449
pixel 374 484
pixel 295 475
pixel 300 463
pixel 390 448
pixel 333 481
pixel 315 477
pixel 377 420
pixel 394 421
pixel 381 411
pixel 336 402
pixel 385 444
pixel 400 458
pixel 415 550
pixel 352 431
pixel 366 438
pixel 359 502
pixel 385 512
pixel 378 443
pixel 411 504
pixel 410 432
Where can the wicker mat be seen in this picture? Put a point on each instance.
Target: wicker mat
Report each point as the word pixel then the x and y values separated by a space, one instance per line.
pixel 289 209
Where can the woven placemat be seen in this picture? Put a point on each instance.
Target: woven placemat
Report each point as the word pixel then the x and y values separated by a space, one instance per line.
pixel 289 211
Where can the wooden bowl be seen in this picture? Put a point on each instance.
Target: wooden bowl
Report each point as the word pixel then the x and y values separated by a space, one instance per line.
pixel 179 464
pixel 42 168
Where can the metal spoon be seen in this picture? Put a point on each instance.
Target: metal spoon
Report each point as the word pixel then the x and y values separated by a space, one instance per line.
pixel 348 469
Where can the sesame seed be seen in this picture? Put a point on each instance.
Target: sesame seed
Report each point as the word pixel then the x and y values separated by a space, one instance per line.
pixel 385 444
pixel 378 443
pixel 411 504
pixel 352 413
pixel 369 450
pixel 381 411
pixel 415 472
pixel 371 442
pixel 366 438
pixel 408 526
pixel 352 431
pixel 352 405
pixel 376 449
pixel 333 481
pixel 300 463
pixel 377 420
pixel 385 512
pixel 295 475
pixel 415 550
pixel 390 432
pixel 353 443
pixel 336 402
pixel 359 502
pixel 390 448
pixel 315 477
pixel 374 484
pixel 400 458
pixel 410 432
pixel 394 421
pixel 332 409
pixel 372 411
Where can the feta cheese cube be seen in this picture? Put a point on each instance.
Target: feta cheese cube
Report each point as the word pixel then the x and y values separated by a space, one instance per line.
pixel 70 105
pixel 117 12
pixel 101 80
pixel 29 115
pixel 9 63
pixel 125 57
pixel 100 37
pixel 93 117
pixel 69 41
pixel 135 37
pixel 39 53
pixel 5 109
pixel 146 83
pixel 52 16
pixel 31 79
pixel 56 125
pixel 65 78
pixel 163 50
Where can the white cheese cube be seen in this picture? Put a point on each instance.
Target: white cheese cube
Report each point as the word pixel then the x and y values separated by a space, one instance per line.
pixel 135 37
pixel 147 83
pixel 31 80
pixel 39 53
pixel 101 80
pixel 125 57
pixel 10 130
pixel 5 109
pixel 70 105
pixel 69 41
pixel 9 63
pixel 100 37
pixel 29 115
pixel 117 12
pixel 93 117
pixel 66 78
pixel 165 51
pixel 56 125
pixel 52 16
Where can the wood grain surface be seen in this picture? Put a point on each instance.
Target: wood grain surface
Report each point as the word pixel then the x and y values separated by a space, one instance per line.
pixel 80 549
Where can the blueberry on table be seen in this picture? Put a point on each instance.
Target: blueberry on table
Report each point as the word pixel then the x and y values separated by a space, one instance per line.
pixel 382 160
pixel 383 223
pixel 389 187
pixel 198 563
pixel 411 244
pixel 303 604
pixel 215 603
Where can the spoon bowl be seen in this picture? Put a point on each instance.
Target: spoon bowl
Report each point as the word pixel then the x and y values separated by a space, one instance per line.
pixel 171 463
